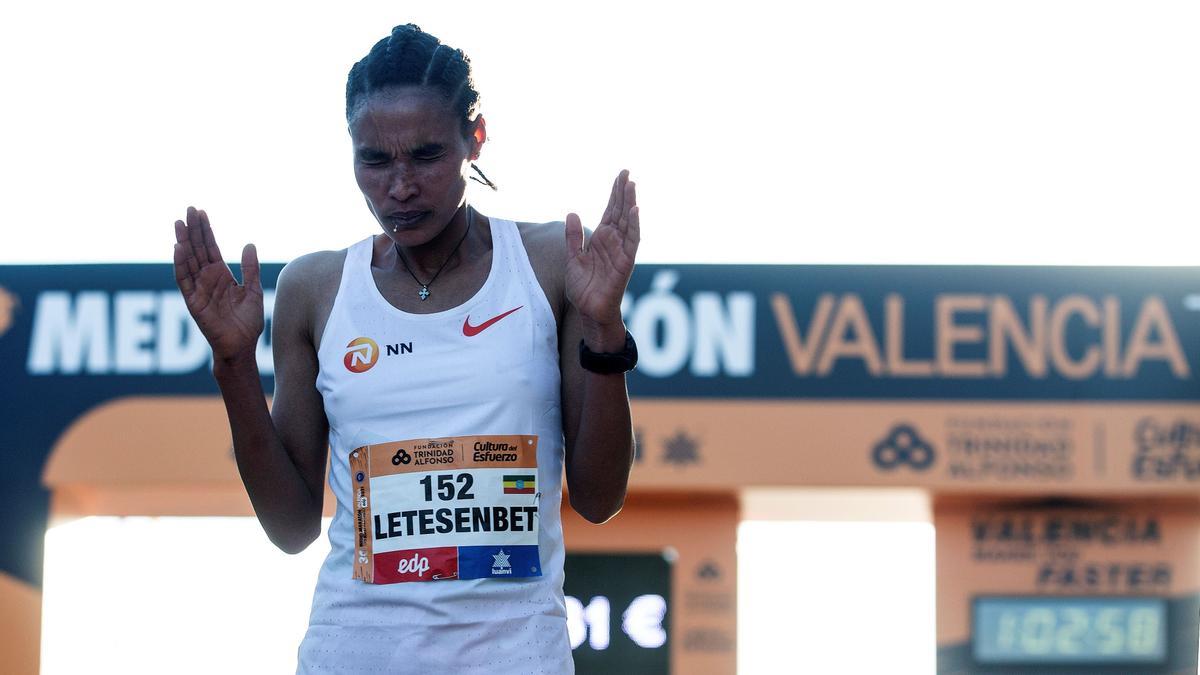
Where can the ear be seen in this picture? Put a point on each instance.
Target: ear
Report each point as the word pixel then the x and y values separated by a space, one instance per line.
pixel 478 137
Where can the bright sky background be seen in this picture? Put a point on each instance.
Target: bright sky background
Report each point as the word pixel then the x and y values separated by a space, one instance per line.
pixel 868 131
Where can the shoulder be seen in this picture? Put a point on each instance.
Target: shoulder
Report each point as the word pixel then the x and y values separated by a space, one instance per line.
pixel 311 271
pixel 546 246
pixel 544 240
pixel 306 289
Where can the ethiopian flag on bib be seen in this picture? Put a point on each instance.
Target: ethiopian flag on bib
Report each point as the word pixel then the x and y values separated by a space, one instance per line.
pixel 520 484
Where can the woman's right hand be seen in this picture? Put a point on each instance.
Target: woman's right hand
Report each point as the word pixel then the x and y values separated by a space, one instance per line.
pixel 229 315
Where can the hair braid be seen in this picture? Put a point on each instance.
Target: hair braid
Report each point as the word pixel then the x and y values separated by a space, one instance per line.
pixel 435 62
pixel 410 56
pixel 407 54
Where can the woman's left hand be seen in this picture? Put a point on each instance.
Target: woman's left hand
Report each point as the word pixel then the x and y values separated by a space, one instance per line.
pixel 597 274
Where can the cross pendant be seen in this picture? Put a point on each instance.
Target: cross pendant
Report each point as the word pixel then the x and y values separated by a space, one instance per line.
pixel 424 292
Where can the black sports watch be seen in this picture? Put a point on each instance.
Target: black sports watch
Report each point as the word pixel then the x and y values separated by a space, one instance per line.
pixel 609 363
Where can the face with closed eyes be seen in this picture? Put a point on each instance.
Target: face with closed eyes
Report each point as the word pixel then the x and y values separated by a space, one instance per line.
pixel 410 156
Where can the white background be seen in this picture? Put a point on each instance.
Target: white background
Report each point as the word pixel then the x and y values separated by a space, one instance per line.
pixel 857 131
pixel 194 596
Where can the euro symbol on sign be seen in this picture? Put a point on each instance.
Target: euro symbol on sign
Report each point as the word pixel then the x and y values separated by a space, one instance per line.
pixel 401 457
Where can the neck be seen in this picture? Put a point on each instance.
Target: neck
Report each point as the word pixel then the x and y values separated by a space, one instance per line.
pixel 425 260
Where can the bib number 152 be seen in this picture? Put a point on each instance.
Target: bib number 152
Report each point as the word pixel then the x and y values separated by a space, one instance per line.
pixel 449 486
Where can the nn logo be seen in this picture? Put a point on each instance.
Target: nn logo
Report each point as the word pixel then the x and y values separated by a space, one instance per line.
pixel 903 445
pixel 361 355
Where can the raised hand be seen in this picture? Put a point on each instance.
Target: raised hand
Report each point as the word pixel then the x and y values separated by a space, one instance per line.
pixel 229 315
pixel 596 276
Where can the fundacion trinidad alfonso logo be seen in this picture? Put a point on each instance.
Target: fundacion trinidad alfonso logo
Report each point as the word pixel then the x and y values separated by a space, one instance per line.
pixel 361 354
pixel 903 445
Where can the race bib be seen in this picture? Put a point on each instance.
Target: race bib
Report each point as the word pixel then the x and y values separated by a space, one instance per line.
pixel 446 508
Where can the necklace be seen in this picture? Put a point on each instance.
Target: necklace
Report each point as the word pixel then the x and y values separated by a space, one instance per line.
pixel 424 292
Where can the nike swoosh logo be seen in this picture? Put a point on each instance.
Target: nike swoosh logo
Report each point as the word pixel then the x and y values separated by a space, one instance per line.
pixel 471 331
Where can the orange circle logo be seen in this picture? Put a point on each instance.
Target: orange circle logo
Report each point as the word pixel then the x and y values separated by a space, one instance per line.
pixel 361 354
pixel 8 305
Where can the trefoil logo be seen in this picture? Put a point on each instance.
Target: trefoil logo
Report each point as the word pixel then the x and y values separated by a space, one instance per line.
pixel 903 445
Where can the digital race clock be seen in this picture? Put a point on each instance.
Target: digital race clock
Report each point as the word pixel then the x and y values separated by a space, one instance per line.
pixel 1049 630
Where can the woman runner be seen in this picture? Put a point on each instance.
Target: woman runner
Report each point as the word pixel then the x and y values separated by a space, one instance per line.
pixel 453 365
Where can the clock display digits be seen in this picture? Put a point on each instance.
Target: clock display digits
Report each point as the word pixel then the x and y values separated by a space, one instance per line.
pixel 1064 630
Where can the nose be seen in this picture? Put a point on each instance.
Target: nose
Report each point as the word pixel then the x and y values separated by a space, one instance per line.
pixel 403 186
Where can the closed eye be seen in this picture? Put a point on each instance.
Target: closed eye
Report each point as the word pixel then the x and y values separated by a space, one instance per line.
pixel 373 157
pixel 428 153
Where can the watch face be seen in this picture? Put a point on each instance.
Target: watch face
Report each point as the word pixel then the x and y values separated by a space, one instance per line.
pixel 619 362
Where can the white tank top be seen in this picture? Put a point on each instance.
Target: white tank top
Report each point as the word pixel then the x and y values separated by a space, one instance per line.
pixel 446 374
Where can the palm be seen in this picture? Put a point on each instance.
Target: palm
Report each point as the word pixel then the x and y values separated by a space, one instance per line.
pixel 597 274
pixel 229 315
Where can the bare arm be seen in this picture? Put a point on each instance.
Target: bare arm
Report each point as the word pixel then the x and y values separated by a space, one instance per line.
pixel 596 424
pixel 596 417
pixel 280 455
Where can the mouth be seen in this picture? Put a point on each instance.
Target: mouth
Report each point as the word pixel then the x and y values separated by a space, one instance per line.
pixel 405 218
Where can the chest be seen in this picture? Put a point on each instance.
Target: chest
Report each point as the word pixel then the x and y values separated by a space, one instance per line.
pixel 499 352
pixel 424 293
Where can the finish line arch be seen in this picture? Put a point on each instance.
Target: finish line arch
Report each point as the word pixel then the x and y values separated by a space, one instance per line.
pixel 1028 402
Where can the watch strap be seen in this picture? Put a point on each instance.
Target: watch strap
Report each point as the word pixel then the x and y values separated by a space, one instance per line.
pixel 609 363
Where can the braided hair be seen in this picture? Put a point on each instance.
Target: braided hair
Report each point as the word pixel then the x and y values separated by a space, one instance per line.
pixel 410 56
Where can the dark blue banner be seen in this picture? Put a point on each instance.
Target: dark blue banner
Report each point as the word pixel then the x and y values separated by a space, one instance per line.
pixel 74 336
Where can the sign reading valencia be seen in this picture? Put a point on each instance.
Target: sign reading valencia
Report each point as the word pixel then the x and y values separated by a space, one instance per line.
pixel 1038 379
